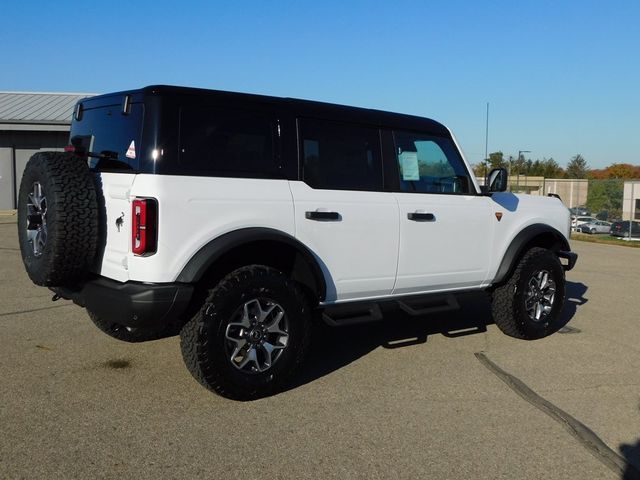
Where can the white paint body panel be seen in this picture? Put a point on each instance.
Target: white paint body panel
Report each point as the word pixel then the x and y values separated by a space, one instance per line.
pixel 192 211
pixel 519 212
pixel 373 252
pixel 453 251
pixel 116 189
pixel 359 253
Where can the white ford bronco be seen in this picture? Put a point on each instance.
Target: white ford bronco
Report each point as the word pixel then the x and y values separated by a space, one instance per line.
pixel 235 220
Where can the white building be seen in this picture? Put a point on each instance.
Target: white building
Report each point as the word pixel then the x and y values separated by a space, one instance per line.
pixel 631 200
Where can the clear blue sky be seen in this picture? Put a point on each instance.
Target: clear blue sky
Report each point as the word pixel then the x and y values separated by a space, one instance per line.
pixel 561 77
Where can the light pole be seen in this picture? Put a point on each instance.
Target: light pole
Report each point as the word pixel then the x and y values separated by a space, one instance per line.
pixel 520 152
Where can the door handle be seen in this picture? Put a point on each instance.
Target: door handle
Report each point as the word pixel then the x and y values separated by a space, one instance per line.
pixel 323 216
pixel 421 217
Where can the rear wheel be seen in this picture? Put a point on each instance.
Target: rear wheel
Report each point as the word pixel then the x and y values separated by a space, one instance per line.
pixel 250 336
pixel 528 306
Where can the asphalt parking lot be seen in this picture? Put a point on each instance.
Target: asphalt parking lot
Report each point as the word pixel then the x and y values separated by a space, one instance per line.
pixel 438 397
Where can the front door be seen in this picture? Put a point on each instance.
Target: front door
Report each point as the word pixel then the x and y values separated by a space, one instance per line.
pixel 446 229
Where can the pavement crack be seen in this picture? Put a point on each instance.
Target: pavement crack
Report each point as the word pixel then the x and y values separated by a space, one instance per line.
pixel 587 437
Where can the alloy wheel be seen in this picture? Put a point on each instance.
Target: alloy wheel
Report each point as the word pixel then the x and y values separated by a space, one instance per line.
pixel 257 335
pixel 37 219
pixel 540 295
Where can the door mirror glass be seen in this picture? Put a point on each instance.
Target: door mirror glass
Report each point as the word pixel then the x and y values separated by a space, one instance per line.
pixel 497 180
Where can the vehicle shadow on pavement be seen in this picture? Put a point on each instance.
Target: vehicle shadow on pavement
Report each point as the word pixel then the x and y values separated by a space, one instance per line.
pixel 631 454
pixel 333 348
pixel 574 298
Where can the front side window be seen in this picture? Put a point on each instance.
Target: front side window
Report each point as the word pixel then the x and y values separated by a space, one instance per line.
pixel 223 142
pixel 429 164
pixel 340 156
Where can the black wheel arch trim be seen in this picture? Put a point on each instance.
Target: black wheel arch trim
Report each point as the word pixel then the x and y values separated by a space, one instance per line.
pixel 526 238
pixel 216 248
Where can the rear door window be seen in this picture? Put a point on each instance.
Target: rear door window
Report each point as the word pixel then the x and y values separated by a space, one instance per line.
pixel 340 156
pixel 228 143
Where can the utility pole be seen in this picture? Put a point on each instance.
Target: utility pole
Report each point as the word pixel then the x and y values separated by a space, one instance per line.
pixel 486 139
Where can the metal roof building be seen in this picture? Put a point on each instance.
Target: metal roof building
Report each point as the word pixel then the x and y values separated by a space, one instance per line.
pixel 30 122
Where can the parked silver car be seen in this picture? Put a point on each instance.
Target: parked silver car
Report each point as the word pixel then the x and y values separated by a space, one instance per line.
pixel 597 226
pixel 577 222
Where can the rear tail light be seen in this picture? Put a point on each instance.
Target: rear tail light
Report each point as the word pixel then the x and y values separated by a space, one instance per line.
pixel 144 228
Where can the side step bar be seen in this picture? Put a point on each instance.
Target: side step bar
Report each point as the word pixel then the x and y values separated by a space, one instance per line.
pixel 364 312
pixel 339 315
pixel 426 305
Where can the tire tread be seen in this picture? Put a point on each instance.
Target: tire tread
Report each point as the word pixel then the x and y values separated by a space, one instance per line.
pixel 195 347
pixel 72 247
pixel 504 299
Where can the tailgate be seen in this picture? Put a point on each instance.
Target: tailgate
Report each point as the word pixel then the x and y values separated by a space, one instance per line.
pixel 116 220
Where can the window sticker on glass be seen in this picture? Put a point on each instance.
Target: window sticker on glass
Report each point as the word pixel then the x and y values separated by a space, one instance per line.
pixel 409 165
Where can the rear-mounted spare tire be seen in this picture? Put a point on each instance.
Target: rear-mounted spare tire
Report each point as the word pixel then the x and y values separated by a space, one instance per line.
pixel 57 218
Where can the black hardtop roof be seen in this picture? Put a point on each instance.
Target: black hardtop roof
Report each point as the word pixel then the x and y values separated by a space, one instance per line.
pixel 298 106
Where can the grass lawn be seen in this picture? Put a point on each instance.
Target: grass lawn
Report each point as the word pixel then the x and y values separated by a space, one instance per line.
pixel 606 239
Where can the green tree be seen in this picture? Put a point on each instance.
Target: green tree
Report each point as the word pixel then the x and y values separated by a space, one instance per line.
pixel 480 169
pixel 536 169
pixel 577 167
pixel 606 195
pixel 551 169
pixel 496 160
pixel 519 166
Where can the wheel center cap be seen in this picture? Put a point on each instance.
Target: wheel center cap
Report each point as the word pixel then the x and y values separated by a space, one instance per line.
pixel 255 335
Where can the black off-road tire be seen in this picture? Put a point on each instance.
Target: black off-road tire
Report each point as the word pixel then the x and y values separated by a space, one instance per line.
pixel 71 218
pixel 132 335
pixel 205 347
pixel 508 300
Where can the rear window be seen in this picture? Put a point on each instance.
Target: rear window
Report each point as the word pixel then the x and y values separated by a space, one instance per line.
pixel 113 139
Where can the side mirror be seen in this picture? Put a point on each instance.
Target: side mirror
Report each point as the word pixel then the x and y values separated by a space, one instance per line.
pixel 496 180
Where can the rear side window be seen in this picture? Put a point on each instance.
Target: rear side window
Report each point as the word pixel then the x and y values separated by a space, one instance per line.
pixel 340 156
pixel 113 138
pixel 429 164
pixel 222 142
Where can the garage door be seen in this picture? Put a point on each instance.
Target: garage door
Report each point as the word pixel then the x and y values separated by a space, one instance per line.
pixel 22 157
pixel 6 179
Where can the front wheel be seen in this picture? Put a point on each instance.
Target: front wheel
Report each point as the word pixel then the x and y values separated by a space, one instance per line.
pixel 250 336
pixel 528 306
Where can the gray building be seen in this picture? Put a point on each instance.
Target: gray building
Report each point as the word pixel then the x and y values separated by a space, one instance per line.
pixel 30 122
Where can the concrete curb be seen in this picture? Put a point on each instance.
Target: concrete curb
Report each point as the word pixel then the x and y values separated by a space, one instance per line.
pixel 8 216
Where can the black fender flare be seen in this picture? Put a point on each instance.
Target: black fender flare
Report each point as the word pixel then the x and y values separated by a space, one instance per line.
pixel 216 248
pixel 550 237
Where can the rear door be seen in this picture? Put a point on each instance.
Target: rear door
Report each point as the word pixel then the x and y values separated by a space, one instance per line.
pixel 111 135
pixel 446 229
pixel 341 212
